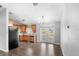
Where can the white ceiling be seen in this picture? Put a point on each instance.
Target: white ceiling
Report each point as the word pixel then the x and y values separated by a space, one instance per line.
pixel 33 14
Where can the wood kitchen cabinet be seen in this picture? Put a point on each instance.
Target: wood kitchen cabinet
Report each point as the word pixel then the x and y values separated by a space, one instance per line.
pixel 26 38
pixel 23 28
pixel 33 26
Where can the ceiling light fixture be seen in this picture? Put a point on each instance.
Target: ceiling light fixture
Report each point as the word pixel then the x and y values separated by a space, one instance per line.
pixel 0 5
pixel 35 4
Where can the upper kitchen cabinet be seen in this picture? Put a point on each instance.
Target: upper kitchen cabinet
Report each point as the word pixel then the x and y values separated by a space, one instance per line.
pixel 33 26
pixel 23 28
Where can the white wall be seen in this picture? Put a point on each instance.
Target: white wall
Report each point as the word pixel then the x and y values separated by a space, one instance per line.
pixel 70 37
pixel 3 30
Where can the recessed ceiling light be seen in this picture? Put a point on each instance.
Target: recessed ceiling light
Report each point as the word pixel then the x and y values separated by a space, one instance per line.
pixel 10 12
pixel 23 19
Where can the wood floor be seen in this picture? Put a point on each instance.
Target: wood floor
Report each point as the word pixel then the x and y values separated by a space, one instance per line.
pixel 34 49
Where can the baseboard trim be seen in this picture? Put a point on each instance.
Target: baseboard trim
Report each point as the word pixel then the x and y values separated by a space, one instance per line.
pixel 57 43
pixel 4 50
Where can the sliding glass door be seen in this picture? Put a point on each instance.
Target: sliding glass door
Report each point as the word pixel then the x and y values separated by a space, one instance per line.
pixel 47 33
